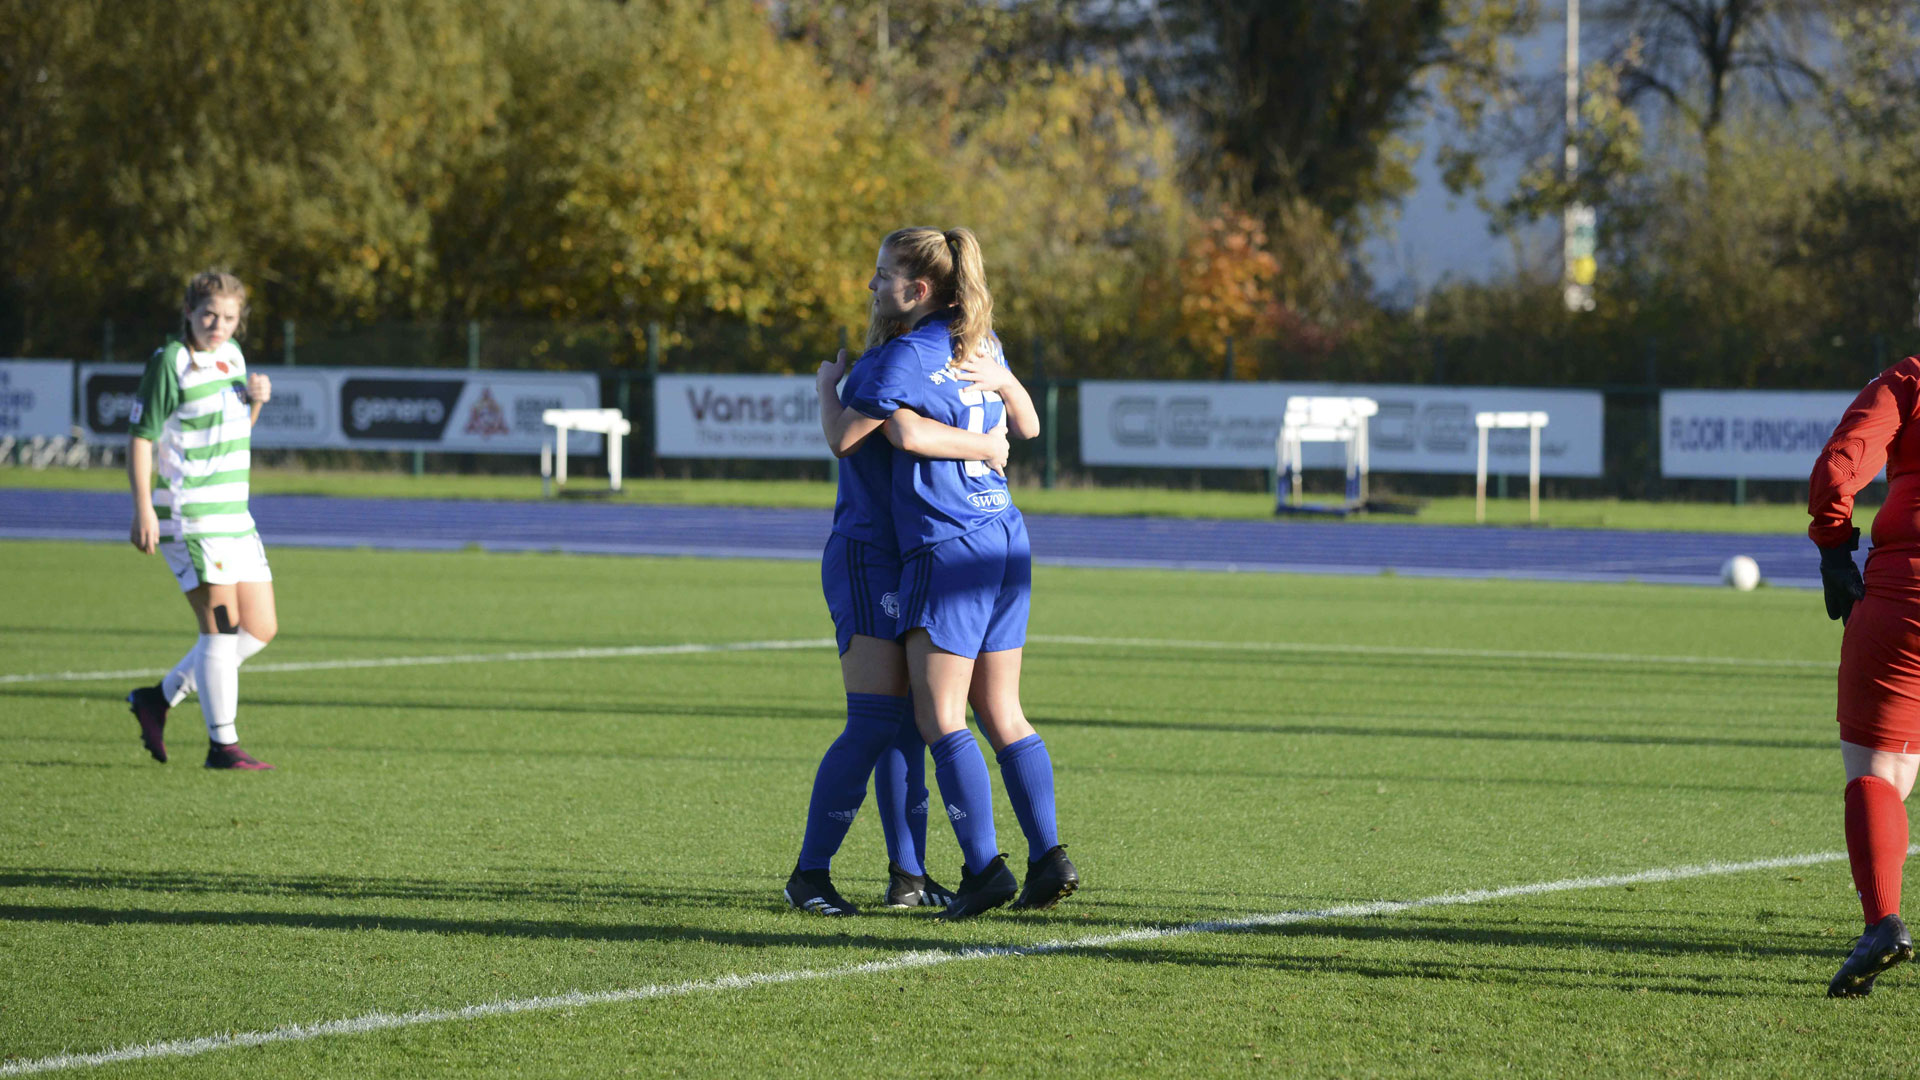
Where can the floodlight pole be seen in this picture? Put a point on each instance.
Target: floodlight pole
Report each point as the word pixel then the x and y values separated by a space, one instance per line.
pixel 1578 294
pixel 1573 86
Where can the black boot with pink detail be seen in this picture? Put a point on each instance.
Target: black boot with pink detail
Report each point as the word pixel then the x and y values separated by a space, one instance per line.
pixel 230 756
pixel 149 707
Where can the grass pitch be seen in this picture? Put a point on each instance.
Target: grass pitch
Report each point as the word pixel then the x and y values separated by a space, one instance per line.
pixel 452 834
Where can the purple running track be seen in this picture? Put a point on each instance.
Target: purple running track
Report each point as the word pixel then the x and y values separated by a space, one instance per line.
pixel 1285 546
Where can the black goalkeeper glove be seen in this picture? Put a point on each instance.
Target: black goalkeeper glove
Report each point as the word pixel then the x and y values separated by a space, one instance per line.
pixel 1841 579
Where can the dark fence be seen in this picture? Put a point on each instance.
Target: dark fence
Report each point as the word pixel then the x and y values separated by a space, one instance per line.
pixel 1629 371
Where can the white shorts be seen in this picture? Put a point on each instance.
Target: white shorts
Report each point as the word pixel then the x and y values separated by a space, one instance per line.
pixel 216 560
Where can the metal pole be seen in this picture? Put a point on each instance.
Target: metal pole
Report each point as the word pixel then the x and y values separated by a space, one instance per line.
pixel 1533 472
pixel 650 406
pixel 106 342
pixel 1578 292
pixel 1051 474
pixel 473 343
pixel 289 344
pixel 1229 373
pixel 1480 482
pixel 1571 152
pixel 623 396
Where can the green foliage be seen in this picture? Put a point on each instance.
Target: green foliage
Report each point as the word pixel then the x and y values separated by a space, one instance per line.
pixel 725 169
pixel 603 163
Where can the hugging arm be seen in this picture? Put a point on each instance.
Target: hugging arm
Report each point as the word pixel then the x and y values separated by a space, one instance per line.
pixel 986 373
pixel 927 438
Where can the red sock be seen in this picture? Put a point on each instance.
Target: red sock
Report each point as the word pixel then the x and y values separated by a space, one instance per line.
pixel 1876 845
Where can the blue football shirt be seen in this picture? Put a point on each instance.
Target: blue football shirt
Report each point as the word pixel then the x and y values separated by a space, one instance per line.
pixel 935 500
pixel 862 502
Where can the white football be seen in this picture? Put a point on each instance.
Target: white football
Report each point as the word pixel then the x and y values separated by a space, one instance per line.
pixel 1740 572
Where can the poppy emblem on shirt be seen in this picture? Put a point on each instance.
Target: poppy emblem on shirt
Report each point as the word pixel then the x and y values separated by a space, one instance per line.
pixel 222 365
pixel 218 565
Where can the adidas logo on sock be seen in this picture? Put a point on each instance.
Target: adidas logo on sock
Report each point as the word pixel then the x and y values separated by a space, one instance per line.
pixel 954 813
pixel 921 810
pixel 844 815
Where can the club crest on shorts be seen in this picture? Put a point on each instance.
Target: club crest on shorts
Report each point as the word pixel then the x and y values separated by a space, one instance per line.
pixel 890 603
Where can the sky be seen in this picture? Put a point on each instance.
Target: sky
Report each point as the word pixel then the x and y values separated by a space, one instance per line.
pixel 1440 236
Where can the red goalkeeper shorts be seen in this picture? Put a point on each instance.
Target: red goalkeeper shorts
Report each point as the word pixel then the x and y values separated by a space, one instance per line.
pixel 1880 674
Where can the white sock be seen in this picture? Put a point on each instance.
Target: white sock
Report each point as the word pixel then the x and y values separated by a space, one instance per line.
pixel 219 680
pixel 182 674
pixel 179 682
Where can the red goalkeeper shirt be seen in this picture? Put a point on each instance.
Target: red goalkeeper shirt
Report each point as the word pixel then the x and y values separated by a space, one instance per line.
pixel 1878 430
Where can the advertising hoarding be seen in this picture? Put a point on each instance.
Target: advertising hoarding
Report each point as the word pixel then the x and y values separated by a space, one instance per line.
pixel 1419 429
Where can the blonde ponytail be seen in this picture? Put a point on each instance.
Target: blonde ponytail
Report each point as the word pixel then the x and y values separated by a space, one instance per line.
pixel 951 262
pixel 975 322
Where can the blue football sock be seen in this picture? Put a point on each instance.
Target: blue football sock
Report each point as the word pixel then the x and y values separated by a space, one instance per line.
pixel 1028 772
pixel 968 794
pixel 900 790
pixel 841 784
pixel 917 795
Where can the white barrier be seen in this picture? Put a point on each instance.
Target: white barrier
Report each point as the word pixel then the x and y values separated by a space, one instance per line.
pixel 1487 421
pixel 1324 420
pixel 606 422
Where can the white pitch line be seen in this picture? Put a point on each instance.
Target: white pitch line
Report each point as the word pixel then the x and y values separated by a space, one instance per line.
pixel 1313 648
pixel 1433 651
pixel 457 658
pixel 380 1021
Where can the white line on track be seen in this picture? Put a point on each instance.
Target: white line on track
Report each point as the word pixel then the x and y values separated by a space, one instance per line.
pixel 379 1021
pixel 1311 648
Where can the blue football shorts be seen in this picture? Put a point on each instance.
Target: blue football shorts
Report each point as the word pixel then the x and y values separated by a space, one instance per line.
pixel 971 593
pixel 862 585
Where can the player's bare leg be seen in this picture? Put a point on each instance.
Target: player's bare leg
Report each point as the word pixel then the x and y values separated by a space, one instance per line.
pixel 1878 782
pixel 259 618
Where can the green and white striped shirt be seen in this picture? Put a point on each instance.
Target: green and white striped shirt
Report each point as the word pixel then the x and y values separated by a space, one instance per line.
pixel 193 406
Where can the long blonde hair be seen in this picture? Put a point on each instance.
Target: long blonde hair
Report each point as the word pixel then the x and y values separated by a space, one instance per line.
pixel 951 261
pixel 205 285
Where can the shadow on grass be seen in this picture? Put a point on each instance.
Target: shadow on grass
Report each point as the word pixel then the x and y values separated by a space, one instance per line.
pixel 832 934
pixel 1371 954
pixel 354 887
pixel 614 704
pixel 1495 969
pixel 627 706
